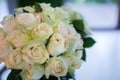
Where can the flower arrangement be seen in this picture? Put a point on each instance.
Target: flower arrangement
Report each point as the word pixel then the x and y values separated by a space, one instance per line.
pixel 42 42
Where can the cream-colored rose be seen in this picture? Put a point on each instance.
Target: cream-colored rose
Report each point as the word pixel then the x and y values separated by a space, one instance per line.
pixel 9 23
pixel 74 44
pixel 56 45
pixel 38 16
pixel 56 66
pixel 32 72
pixel 73 61
pixel 61 14
pixel 2 34
pixel 4 50
pixel 14 59
pixel 42 31
pixel 35 52
pixel 66 30
pixel 78 54
pixel 17 38
pixel 48 15
pixel 26 19
pixel 79 41
pixel 19 10
pixel 29 9
pixel 45 6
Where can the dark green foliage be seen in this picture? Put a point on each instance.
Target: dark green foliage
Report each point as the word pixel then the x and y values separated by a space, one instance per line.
pixel 38 7
pixel 67 77
pixel 54 3
pixel 84 55
pixel 88 42
pixel 14 75
pixel 78 25
pixel 50 78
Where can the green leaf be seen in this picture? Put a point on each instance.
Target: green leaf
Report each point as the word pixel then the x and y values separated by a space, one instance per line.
pixel 37 7
pixel 67 77
pixel 84 55
pixel 88 42
pixel 71 71
pixel 18 77
pixel 50 78
pixel 82 33
pixel 25 11
pixel 78 25
pixel 14 75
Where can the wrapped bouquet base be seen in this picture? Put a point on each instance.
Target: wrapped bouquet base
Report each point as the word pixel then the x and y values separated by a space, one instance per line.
pixel 43 43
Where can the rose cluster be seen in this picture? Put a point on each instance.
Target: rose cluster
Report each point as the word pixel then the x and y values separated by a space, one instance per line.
pixel 41 40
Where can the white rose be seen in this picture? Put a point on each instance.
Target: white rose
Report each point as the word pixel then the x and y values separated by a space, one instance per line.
pixel 42 31
pixel 2 34
pixel 62 14
pixel 19 10
pixel 48 15
pixel 73 61
pixel 45 6
pixel 79 41
pixel 35 52
pixel 14 59
pixel 56 45
pixel 4 50
pixel 78 54
pixel 74 44
pixel 26 19
pixel 38 16
pixel 9 23
pixel 66 30
pixel 29 9
pixel 57 66
pixel 32 72
pixel 17 38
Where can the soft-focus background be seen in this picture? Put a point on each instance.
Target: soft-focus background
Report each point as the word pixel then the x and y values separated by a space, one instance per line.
pixel 103 16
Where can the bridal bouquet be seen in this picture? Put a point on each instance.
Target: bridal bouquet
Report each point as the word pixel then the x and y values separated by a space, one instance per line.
pixel 43 43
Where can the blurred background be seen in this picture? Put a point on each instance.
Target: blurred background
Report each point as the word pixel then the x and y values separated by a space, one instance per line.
pixel 103 17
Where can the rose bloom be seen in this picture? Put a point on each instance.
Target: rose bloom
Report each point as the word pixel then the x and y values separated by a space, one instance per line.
pixel 56 45
pixel 66 30
pixel 17 38
pixel 38 16
pixel 74 61
pixel 29 9
pixel 32 72
pixel 56 66
pixel 79 41
pixel 35 52
pixel 78 54
pixel 4 50
pixel 14 59
pixel 47 14
pixel 74 43
pixel 19 10
pixel 61 14
pixel 27 20
pixel 9 23
pixel 42 31
pixel 2 34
